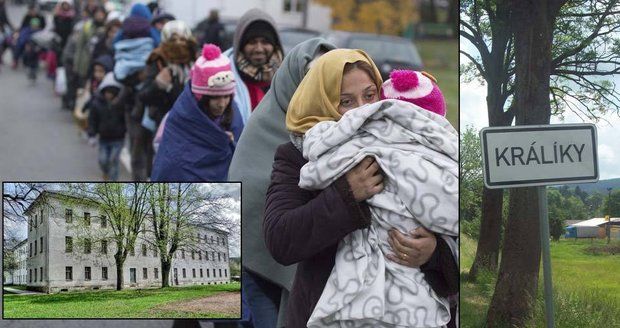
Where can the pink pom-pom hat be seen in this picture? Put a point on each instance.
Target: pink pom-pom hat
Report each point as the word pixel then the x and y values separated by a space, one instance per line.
pixel 418 88
pixel 211 74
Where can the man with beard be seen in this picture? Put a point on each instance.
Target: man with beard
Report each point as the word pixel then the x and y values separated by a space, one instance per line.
pixel 257 55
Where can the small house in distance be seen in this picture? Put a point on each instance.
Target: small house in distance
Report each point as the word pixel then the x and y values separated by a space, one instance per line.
pixel 593 228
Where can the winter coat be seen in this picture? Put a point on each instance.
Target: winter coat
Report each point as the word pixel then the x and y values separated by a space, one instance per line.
pixel 304 227
pixel 130 56
pixel 213 33
pixel 107 119
pixel 193 147
pixel 159 101
pixel 81 62
pixel 63 26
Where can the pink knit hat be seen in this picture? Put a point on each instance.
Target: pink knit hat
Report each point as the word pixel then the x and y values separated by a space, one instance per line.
pixel 419 88
pixel 211 73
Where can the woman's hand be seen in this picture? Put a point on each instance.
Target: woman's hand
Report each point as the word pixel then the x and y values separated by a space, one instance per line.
pixel 365 179
pixel 412 250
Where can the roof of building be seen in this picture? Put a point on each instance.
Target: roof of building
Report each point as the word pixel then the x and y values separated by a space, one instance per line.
pixel 594 222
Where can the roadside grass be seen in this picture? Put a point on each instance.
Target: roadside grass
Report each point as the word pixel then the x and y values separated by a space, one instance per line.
pixel 440 58
pixel 585 287
pixel 112 303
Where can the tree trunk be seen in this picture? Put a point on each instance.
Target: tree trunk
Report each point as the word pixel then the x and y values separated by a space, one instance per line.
pixel 487 251
pixel 492 200
pixel 516 288
pixel 120 262
pixel 165 272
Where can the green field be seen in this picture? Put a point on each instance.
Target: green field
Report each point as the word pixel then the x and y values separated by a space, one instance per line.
pixel 441 58
pixel 586 287
pixel 128 303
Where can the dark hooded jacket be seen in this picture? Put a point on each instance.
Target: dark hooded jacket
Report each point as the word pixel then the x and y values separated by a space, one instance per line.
pixel 107 119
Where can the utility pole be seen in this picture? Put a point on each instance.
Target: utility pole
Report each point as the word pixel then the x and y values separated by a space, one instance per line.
pixel 608 217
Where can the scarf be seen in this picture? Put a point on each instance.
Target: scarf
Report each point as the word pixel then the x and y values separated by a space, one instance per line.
pixel 318 95
pixel 263 73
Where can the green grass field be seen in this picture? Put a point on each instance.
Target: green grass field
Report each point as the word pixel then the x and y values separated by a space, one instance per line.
pixel 586 289
pixel 112 304
pixel 441 58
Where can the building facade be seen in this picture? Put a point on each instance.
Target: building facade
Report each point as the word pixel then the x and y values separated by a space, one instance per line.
pixel 70 247
pixel 19 275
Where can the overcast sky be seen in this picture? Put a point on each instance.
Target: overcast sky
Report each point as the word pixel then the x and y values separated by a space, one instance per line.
pixel 474 112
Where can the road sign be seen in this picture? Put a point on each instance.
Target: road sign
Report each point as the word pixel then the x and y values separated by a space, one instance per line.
pixel 539 155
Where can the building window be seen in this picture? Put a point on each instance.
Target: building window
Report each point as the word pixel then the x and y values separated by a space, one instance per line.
pixel 193 273
pixel 35 274
pixel 183 254
pixel 41 244
pixel 30 225
pixel 207 273
pixel 87 246
pixel 294 5
pixel 156 273
pixel 219 256
pixel 132 275
pixel 213 273
pixel 211 239
pixel 68 215
pixel 104 221
pixel 41 274
pixel 201 276
pixel 104 273
pixel 193 255
pixel 213 257
pixel 184 274
pixel 225 273
pixel 145 273
pixel 224 241
pixel 220 273
pixel 132 251
pixel 155 251
pixel 35 248
pixel 224 255
pixel 41 217
pixel 104 247
pixel 207 255
pixel 30 250
pixel 86 273
pixel 143 249
pixel 87 219
pixel 199 255
pixel 34 222
pixel 30 276
pixel 68 244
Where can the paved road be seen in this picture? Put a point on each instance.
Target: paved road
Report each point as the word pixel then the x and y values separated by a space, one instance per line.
pixel 38 140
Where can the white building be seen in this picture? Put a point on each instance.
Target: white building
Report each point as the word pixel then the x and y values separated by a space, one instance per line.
pixel 70 247
pixel 19 275
pixel 286 13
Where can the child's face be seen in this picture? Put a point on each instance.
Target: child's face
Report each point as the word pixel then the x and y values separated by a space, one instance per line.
pixel 217 105
pixel 98 72
pixel 109 94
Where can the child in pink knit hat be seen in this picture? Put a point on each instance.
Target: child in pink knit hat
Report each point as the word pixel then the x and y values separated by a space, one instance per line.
pixel 419 88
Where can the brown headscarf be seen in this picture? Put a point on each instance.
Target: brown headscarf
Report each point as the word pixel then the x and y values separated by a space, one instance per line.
pixel 318 95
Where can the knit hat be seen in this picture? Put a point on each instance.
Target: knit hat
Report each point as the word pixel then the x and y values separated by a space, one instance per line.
pixel 175 27
pixel 109 82
pixel 259 28
pixel 136 27
pixel 419 88
pixel 211 73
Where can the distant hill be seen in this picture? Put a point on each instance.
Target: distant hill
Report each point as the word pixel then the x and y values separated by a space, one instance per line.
pixel 601 186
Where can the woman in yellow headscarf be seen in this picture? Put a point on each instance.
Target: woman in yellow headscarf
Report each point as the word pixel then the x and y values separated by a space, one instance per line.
pixel 302 226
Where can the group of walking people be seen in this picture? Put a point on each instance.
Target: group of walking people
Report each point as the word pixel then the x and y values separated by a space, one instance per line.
pixel 350 183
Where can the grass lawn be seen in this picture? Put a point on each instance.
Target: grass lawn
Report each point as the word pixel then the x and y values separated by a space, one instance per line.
pixel 441 58
pixel 585 287
pixel 128 303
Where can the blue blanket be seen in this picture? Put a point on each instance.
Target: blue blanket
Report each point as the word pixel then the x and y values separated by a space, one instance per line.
pixel 130 56
pixel 193 147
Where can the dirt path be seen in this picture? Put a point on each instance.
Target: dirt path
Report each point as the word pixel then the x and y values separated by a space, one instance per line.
pixel 228 303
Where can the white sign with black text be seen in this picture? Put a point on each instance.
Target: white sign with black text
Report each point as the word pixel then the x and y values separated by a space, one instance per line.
pixel 538 155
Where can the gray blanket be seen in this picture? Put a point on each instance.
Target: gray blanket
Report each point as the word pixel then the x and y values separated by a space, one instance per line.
pixel 418 153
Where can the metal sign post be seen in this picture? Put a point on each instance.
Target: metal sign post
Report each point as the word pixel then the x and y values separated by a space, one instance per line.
pixel 540 155
pixel 546 254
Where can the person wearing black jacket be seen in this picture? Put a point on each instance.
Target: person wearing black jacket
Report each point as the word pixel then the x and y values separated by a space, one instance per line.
pixel 107 120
